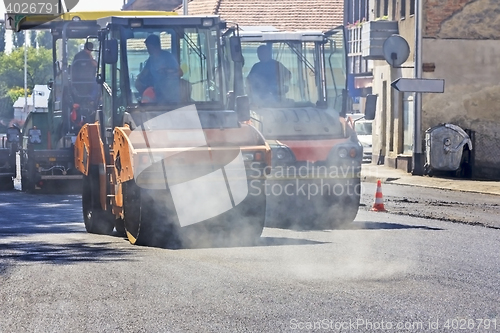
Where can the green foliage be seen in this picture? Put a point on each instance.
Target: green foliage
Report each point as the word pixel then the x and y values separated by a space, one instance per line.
pixel 44 39
pixel 2 37
pixel 39 69
pixel 73 47
pixel 18 39
pixel 6 111
pixel 15 92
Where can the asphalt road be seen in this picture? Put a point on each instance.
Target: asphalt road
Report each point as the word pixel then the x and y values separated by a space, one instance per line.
pixel 445 205
pixel 386 272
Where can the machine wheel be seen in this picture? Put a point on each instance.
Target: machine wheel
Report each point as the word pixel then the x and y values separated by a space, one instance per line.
pixel 240 226
pixel 249 219
pixel 6 184
pixel 27 175
pixel 120 227
pixel 96 219
pixel 343 216
pixel 319 212
pixel 27 185
pixel 339 212
pixel 147 223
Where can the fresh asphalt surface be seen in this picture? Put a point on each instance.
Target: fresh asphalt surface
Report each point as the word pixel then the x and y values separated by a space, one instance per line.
pixel 385 269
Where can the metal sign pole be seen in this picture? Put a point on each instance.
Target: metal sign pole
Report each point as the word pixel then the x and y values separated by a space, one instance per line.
pixel 418 162
pixel 25 72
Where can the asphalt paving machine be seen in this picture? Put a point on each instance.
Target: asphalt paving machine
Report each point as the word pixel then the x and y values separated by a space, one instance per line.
pixel 171 160
pixel 47 147
pixel 298 101
pixel 8 150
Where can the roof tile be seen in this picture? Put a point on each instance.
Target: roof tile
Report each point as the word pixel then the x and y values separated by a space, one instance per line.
pixel 282 14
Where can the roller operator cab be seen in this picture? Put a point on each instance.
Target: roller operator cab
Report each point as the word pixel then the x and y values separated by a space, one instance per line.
pixel 171 160
pixel 47 149
pixel 296 82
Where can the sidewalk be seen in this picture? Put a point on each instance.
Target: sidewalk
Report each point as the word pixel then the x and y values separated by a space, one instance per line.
pixel 372 173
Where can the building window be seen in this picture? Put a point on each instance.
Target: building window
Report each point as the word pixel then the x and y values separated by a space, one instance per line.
pixel 386 7
pixel 403 8
pixel 378 11
pixel 412 7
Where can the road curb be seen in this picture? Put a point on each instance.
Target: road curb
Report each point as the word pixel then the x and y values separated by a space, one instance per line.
pixel 460 185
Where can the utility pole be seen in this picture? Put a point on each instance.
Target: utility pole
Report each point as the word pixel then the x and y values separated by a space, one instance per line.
pixel 418 156
pixel 25 73
pixel 185 7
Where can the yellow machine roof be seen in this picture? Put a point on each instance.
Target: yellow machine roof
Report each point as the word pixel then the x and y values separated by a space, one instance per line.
pixel 24 22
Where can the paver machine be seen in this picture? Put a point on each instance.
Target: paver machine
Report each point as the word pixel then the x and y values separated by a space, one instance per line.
pixel 47 148
pixel 8 150
pixel 299 105
pixel 172 162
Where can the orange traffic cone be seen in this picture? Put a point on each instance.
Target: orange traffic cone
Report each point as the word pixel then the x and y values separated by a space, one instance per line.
pixel 378 205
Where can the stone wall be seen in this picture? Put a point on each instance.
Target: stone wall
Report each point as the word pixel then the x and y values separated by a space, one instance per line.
pixel 471 69
pixel 462 19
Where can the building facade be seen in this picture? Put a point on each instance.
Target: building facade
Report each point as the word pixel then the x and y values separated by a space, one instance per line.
pixel 461 44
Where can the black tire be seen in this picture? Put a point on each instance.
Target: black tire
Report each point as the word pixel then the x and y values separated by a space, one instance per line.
pixel 6 184
pixel 340 211
pixel 27 185
pixel 96 219
pixel 148 223
pixel 240 226
pixel 318 212
pixel 248 219
pixel 343 216
pixel 27 174
pixel 120 227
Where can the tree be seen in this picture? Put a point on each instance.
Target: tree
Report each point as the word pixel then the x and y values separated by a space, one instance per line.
pixel 18 39
pixel 2 37
pixel 6 112
pixel 39 69
pixel 44 39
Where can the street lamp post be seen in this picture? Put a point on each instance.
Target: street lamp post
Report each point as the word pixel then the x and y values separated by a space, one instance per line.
pixel 25 73
pixel 418 156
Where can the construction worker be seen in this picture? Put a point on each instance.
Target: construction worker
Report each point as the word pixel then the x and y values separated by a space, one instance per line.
pixel 86 54
pixel 83 73
pixel 267 77
pixel 161 71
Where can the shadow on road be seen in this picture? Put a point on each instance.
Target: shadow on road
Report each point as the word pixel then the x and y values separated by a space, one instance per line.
pixel 366 225
pixel 25 214
pixel 280 241
pixel 58 254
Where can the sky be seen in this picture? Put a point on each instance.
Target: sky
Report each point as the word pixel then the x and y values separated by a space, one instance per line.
pixel 85 5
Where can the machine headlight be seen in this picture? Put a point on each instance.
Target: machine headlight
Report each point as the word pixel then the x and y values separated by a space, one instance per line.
pixel 281 154
pixel 35 135
pixel 207 22
pixel 247 157
pixel 13 134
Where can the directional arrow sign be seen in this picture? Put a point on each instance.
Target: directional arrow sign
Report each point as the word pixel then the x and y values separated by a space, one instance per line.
pixel 9 22
pixel 419 85
pixel 12 21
